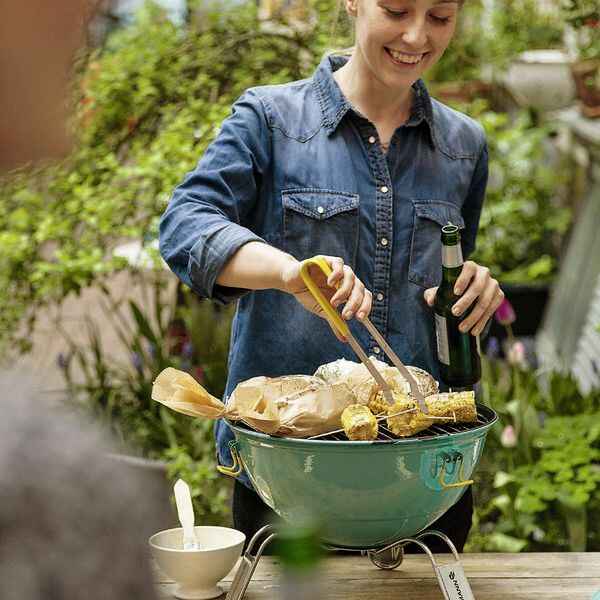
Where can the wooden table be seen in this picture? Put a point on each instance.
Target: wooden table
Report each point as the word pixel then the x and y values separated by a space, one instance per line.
pixel 565 576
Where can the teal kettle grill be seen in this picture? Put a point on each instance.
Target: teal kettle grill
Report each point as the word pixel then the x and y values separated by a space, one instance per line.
pixel 366 495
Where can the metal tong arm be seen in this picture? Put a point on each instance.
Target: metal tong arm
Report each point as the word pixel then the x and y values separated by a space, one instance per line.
pixel 414 386
pixel 342 327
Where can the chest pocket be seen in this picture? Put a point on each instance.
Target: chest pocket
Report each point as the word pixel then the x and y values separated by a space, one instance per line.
pixel 320 222
pixel 425 267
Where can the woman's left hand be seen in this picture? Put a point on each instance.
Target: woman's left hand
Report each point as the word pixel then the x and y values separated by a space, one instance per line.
pixel 477 284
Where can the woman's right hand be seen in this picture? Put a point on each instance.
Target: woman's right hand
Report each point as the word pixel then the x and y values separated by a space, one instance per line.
pixel 350 289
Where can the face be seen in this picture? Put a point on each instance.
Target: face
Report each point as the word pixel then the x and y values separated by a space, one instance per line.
pixel 398 40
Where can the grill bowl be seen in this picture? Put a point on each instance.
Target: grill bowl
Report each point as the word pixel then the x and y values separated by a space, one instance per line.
pixel 366 494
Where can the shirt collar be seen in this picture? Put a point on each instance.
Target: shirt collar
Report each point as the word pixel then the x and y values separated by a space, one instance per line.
pixel 334 105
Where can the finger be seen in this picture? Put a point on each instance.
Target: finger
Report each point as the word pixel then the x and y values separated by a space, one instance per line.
pixel 469 271
pixel 337 269
pixel 354 300
pixel 483 304
pixel 477 285
pixel 345 288
pixel 429 295
pixel 480 325
pixel 365 308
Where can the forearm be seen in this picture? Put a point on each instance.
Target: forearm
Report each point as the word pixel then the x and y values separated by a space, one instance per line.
pixel 255 266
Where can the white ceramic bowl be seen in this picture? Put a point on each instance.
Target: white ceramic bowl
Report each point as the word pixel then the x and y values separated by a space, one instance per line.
pixel 197 572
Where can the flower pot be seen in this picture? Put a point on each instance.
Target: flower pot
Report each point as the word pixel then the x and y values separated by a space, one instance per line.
pixel 586 75
pixel 541 79
pixel 154 473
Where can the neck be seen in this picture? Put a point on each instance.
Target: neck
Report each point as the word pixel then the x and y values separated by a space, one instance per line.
pixel 369 95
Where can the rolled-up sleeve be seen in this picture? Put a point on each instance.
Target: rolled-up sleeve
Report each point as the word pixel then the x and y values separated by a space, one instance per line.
pixel 205 222
pixel 473 203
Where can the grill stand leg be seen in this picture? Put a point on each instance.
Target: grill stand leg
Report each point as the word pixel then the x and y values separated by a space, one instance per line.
pixel 248 562
pixel 451 577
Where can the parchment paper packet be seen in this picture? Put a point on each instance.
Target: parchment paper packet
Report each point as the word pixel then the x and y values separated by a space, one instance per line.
pixel 294 406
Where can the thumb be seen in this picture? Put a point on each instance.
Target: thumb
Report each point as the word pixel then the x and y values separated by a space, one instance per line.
pixel 429 295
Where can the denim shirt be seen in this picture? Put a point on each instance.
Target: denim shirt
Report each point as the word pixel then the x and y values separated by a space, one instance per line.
pixel 297 167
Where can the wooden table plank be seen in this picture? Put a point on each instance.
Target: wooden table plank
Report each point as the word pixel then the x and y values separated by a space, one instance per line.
pixel 552 576
pixel 427 589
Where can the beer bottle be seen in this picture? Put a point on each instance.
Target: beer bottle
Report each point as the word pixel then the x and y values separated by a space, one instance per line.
pixel 458 353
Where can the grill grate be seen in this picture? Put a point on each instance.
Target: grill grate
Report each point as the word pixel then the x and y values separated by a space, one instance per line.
pixel 485 416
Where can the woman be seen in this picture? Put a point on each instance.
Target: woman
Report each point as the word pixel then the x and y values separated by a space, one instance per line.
pixel 356 163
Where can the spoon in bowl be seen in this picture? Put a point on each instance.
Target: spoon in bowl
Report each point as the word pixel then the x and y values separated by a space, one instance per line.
pixel 183 499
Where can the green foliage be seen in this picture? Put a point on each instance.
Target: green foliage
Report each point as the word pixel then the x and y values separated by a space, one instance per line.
pixel 540 492
pixel 509 37
pixel 148 106
pixel 490 41
pixel 153 335
pixel 584 18
pixel 523 220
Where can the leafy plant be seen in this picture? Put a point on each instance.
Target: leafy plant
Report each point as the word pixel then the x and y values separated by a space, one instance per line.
pixel 154 335
pixel 523 220
pixel 148 104
pixel 541 484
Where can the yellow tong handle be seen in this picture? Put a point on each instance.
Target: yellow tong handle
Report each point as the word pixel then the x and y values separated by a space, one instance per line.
pixel 332 315
pixel 342 327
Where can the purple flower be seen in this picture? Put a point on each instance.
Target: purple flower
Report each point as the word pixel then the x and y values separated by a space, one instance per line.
pixel 151 350
pixel 137 362
pixel 508 437
pixel 493 348
pixel 187 350
pixel 63 361
pixel 505 313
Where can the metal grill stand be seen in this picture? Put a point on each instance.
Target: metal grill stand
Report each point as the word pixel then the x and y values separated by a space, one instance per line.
pixel 451 577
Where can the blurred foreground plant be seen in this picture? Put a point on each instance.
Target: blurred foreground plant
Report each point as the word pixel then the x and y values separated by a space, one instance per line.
pixel 153 335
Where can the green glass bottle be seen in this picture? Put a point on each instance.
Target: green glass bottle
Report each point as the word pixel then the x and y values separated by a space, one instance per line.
pixel 298 547
pixel 458 353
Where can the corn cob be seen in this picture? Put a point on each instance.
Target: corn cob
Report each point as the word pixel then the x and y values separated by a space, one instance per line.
pixel 359 423
pixel 449 407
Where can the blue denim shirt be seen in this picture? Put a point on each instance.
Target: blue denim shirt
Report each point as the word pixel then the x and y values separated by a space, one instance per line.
pixel 297 167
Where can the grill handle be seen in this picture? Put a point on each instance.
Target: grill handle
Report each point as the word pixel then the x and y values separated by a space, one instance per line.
pixel 456 457
pixel 236 467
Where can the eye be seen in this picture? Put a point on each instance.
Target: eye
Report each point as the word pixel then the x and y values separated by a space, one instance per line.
pixel 441 20
pixel 395 14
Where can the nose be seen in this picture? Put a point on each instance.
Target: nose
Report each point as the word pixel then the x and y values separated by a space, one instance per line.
pixel 415 34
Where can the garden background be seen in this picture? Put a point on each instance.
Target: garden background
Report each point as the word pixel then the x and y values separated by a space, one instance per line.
pixel 89 315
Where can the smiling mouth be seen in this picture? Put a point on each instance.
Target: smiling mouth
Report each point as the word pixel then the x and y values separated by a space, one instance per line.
pixel 402 58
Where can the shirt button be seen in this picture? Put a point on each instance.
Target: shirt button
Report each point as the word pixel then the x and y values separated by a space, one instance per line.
pixel 320 210
pixel 377 349
pixel 372 140
pixel 384 189
pixel 380 296
pixel 384 242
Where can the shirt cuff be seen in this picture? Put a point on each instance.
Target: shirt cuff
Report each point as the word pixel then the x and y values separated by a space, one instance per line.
pixel 210 254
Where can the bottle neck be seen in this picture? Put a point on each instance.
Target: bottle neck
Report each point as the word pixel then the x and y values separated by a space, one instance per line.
pixel 452 256
pixel 452 262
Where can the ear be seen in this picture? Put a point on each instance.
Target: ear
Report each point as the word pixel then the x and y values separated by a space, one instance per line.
pixel 351 7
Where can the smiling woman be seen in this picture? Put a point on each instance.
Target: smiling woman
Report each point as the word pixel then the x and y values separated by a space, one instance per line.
pixel 357 163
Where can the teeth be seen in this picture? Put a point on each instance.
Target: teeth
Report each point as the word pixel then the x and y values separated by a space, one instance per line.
pixel 412 59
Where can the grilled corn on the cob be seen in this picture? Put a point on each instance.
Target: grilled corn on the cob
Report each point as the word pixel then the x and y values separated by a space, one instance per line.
pixel 359 423
pixel 448 407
